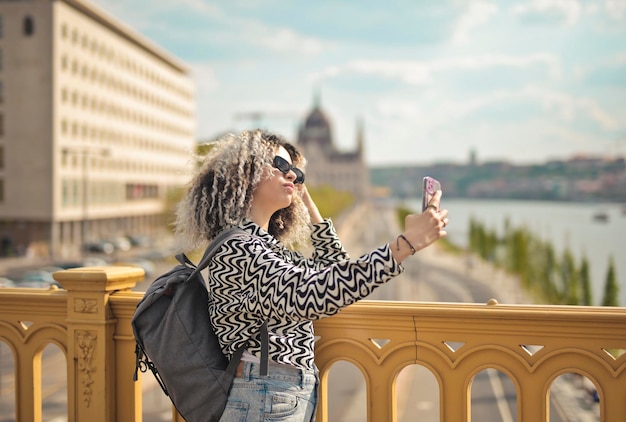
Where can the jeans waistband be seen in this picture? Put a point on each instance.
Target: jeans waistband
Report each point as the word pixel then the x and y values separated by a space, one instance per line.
pixel 277 371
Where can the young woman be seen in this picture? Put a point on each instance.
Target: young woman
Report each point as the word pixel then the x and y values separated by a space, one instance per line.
pixel 254 180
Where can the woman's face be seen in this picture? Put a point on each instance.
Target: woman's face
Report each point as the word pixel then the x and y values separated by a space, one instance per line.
pixel 276 190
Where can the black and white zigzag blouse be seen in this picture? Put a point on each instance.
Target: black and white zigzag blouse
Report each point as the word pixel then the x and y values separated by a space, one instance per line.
pixel 257 278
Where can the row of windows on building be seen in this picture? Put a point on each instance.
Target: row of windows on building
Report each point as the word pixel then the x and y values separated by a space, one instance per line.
pixel 104 192
pixel 98 49
pixel 111 57
pixel 100 136
pixel 73 160
pixel 124 87
pixel 109 163
pixel 121 113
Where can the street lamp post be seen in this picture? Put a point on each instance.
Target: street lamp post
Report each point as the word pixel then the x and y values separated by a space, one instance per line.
pixel 85 153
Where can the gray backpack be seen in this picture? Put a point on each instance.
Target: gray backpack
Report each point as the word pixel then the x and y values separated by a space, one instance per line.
pixel 176 341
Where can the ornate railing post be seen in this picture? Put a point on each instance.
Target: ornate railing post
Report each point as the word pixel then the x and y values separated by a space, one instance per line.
pixel 91 368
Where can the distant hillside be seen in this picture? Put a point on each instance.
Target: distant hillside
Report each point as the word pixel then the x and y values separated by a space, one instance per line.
pixel 577 179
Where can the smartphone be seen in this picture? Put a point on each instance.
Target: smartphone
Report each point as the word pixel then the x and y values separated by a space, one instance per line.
pixel 429 187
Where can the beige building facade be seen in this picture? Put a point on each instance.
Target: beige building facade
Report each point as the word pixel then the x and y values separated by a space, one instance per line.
pixel 97 128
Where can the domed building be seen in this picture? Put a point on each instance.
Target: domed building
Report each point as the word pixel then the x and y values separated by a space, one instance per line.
pixel 345 171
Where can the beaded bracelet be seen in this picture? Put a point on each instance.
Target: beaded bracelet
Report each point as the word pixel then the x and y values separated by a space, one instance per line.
pixel 407 241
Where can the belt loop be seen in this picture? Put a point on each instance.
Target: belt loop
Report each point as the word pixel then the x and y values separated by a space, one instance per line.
pixel 302 377
pixel 246 371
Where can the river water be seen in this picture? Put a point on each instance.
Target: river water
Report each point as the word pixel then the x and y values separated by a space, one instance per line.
pixel 564 224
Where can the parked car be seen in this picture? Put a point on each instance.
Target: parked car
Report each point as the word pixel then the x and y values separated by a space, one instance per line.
pixel 148 266
pixel 157 254
pixel 103 246
pixel 120 243
pixel 90 261
pixel 38 278
pixel 140 240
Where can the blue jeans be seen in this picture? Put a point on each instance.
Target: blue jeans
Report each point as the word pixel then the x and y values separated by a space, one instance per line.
pixel 286 394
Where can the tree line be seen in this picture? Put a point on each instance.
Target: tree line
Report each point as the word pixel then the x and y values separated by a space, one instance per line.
pixel 552 278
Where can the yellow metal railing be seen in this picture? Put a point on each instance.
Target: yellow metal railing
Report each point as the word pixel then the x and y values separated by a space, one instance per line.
pixel 89 320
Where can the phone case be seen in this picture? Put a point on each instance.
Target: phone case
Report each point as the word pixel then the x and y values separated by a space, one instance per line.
pixel 430 186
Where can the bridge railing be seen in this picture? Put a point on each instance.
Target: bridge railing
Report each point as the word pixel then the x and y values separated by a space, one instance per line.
pixel 89 320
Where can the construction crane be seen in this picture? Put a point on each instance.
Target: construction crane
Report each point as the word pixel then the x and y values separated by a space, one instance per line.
pixel 257 117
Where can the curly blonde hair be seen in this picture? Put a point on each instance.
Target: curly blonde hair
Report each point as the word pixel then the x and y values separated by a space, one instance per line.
pixel 220 194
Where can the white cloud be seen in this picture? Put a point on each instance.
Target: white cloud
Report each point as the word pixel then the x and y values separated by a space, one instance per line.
pixel 424 72
pixel 568 11
pixel 478 13
pixel 255 32
pixel 431 114
pixel 488 61
pixel 616 9
pixel 401 109
pixel 411 72
pixel 205 78
pixel 232 30
pixel 201 6
pixel 281 40
pixel 569 108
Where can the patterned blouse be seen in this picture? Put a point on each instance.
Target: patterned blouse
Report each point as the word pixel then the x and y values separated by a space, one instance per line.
pixel 257 278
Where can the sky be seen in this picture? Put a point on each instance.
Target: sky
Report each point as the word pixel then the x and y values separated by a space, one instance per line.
pixel 431 81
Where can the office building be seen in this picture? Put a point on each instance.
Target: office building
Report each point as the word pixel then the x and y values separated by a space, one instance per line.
pixel 96 128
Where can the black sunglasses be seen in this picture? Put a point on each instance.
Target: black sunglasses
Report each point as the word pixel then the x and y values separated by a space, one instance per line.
pixel 283 165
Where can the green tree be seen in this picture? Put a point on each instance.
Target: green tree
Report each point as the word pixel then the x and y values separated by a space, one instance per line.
pixel 172 198
pixel 330 201
pixel 491 245
pixel 544 270
pixel 518 250
pixel 401 213
pixel 474 235
pixel 611 289
pixel 569 279
pixel 585 283
pixel 549 287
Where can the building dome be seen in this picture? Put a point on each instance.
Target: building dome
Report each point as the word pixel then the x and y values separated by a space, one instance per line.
pixel 316 130
pixel 317 118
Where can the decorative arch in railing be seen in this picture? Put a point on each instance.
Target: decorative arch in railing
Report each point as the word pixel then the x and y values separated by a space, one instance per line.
pixel 456 342
pixel 27 336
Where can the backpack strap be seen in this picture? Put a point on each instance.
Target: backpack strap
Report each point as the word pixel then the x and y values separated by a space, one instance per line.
pixel 222 237
pixel 182 258
pixel 263 333
pixel 236 357
pixel 234 361
pixel 265 346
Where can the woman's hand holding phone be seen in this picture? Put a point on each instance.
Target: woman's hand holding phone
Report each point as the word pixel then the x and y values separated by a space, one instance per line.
pixel 429 187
